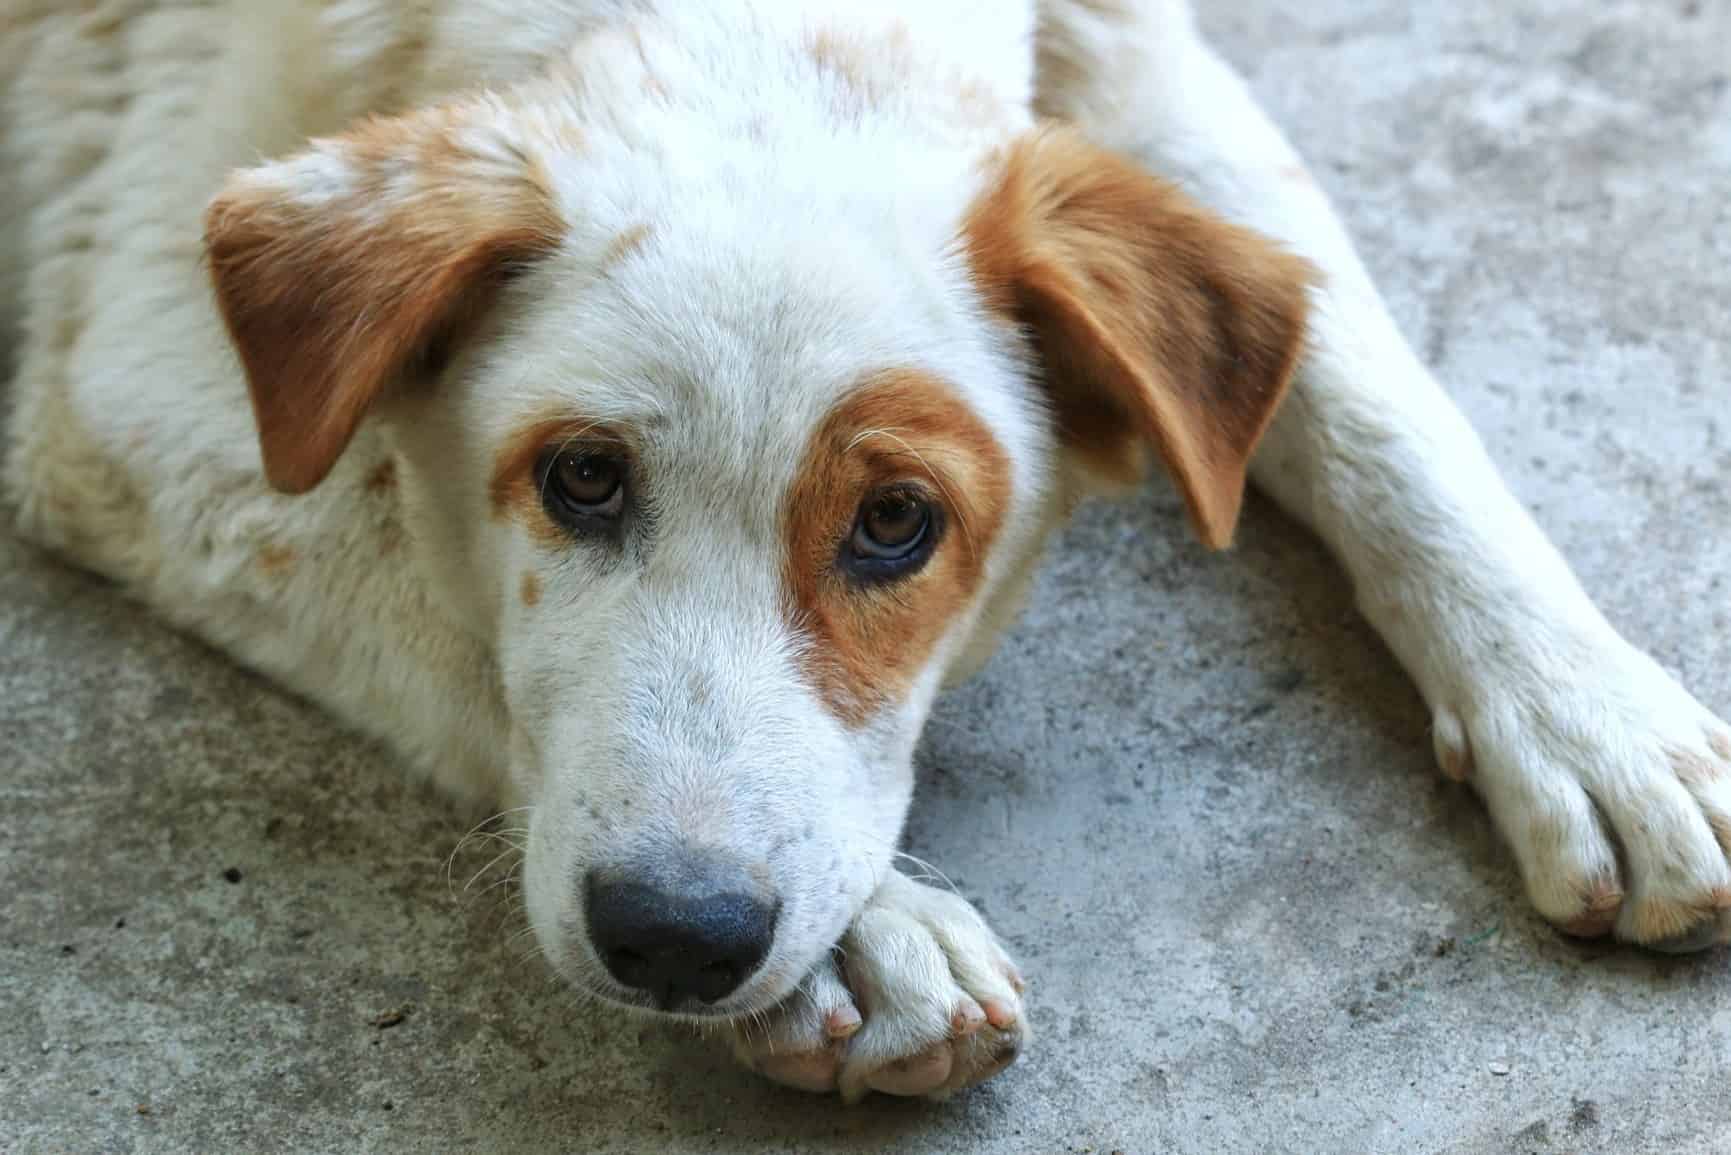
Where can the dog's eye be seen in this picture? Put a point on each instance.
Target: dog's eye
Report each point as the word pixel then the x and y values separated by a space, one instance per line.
pixel 892 525
pixel 892 536
pixel 583 487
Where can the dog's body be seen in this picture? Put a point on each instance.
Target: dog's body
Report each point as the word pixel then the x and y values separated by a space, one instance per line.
pixel 703 266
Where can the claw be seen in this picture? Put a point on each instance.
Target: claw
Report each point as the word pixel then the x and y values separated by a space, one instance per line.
pixel 1707 934
pixel 967 1018
pixel 999 1014
pixel 842 1023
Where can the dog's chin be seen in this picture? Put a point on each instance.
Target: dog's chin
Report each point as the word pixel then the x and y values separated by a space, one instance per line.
pixel 682 1010
pixel 762 993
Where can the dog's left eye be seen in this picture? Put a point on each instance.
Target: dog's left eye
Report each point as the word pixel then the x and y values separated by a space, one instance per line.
pixel 583 487
pixel 893 535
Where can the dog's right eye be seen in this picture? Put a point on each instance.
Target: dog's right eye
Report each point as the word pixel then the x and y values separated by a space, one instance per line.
pixel 893 536
pixel 583 489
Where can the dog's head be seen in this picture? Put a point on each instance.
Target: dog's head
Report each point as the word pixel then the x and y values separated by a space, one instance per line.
pixel 733 417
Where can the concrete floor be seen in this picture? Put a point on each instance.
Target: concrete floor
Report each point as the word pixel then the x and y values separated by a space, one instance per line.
pixel 1193 792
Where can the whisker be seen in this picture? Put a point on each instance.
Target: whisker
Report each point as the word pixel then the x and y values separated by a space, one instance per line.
pixel 503 854
pixel 478 830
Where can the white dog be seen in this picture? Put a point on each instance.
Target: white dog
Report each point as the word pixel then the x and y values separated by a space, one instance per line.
pixel 637 411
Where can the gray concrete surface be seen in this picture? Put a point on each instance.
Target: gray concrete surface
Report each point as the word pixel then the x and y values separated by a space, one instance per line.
pixel 1192 791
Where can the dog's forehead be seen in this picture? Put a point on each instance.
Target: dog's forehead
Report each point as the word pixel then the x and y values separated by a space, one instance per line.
pixel 725 341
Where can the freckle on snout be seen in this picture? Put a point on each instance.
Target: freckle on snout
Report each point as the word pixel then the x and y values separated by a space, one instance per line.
pixel 383 478
pixel 531 591
pixel 276 560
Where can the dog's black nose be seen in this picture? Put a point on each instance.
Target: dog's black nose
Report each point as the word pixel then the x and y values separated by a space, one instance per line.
pixel 696 932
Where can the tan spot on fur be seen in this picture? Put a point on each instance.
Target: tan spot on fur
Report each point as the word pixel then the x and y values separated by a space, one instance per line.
pixel 391 536
pixel 383 478
pixel 1720 824
pixel 1068 66
pixel 650 82
pixel 839 55
pixel 531 590
pixel 1601 899
pixel 102 23
pixel 352 265
pixel 978 104
pixel 1658 919
pixel 867 67
pixel 277 560
pixel 67 328
pixel 624 245
pixel 1158 323
pixel 1720 743
pixel 515 488
pixel 868 643
pixel 1694 770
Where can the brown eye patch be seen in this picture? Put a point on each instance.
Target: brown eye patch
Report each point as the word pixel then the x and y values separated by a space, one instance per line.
pixel 900 457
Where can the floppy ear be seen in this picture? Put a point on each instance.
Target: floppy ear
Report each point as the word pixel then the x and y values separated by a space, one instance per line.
pixel 338 269
pixel 1156 322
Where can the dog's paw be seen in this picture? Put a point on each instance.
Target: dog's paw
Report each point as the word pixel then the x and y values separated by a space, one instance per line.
pixel 918 998
pixel 1613 786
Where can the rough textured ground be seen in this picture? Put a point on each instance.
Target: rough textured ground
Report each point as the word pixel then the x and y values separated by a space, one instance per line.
pixel 1193 792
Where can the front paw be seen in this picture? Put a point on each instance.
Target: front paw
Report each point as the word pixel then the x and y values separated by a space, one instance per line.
pixel 1612 785
pixel 918 998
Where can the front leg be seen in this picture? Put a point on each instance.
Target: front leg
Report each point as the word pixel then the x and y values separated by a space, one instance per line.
pixel 918 998
pixel 1609 781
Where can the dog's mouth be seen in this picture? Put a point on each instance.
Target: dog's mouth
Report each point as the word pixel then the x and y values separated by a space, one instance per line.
pixel 683 1008
pixel 675 999
pixel 671 1006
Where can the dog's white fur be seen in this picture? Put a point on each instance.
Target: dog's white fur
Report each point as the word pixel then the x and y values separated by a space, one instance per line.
pixel 635 707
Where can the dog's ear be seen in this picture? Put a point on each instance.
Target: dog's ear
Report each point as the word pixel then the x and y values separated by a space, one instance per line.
pixel 1156 322
pixel 341 269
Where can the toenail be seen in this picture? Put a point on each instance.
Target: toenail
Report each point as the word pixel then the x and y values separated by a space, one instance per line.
pixel 1694 770
pixel 1674 926
pixel 999 1014
pixel 1593 924
pixel 967 1018
pixel 1603 899
pixel 841 1023
pixel 1706 935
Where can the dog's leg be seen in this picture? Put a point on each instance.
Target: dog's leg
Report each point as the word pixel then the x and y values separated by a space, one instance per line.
pixel 1578 742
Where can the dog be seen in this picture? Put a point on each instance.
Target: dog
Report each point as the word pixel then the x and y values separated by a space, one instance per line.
pixel 635 412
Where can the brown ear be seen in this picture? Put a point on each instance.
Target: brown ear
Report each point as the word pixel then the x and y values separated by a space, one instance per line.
pixel 1156 321
pixel 336 269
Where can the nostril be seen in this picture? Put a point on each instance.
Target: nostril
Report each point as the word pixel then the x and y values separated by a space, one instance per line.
pixel 630 967
pixel 700 939
pixel 716 981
